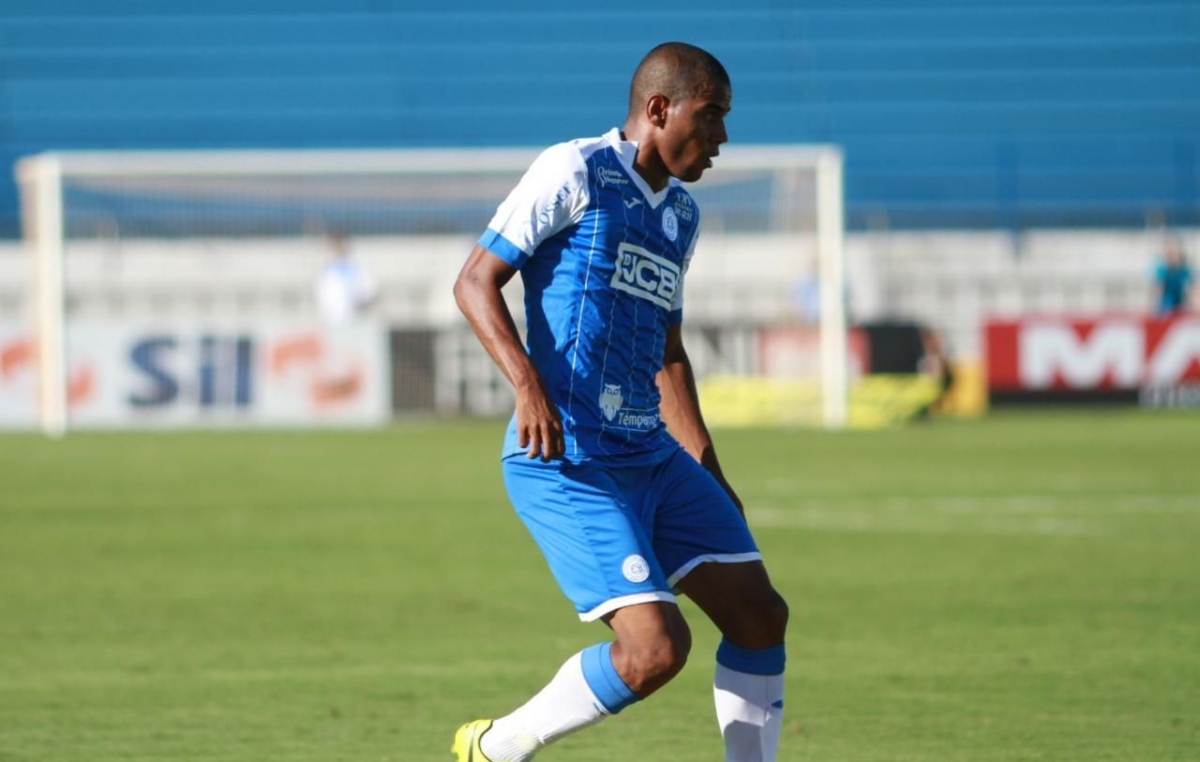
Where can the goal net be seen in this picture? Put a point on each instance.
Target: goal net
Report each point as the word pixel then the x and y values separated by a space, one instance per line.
pixel 215 255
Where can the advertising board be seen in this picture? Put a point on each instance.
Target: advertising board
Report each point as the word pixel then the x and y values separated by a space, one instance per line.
pixel 1113 357
pixel 263 375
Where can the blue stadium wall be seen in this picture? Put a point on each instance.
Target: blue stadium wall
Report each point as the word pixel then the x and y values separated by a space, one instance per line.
pixel 952 113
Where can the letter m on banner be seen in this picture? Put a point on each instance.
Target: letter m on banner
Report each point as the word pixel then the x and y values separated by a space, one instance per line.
pixel 1111 352
pixel 1080 356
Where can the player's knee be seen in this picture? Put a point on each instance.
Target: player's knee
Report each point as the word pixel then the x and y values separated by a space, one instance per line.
pixel 666 660
pixel 775 616
pixel 651 663
pixel 762 623
pixel 668 656
pixel 664 657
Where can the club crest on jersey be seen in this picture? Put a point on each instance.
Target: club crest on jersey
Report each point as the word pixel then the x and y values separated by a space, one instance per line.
pixel 611 400
pixel 670 223
pixel 608 177
pixel 645 275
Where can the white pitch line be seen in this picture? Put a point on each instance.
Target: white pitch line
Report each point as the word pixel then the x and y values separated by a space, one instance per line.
pixel 1025 514
pixel 1054 503
pixel 851 519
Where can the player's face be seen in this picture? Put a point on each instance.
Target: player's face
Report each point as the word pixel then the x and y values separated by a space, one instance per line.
pixel 695 130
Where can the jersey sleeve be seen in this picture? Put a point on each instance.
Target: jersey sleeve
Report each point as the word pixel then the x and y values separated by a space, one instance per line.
pixel 550 197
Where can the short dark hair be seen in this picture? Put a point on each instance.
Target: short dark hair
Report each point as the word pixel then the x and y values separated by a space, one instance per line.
pixel 677 70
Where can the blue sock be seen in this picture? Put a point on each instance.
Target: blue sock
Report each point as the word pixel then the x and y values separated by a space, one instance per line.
pixel 604 680
pixel 752 661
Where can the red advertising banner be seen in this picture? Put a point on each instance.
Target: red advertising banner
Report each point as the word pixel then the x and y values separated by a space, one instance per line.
pixel 1109 352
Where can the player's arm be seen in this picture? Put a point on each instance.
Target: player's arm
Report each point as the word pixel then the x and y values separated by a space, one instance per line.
pixel 478 293
pixel 680 406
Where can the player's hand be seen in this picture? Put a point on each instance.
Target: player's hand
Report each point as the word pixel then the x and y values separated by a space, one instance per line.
pixel 539 428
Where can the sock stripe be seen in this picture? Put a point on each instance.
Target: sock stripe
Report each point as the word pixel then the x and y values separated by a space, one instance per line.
pixel 752 661
pixel 604 680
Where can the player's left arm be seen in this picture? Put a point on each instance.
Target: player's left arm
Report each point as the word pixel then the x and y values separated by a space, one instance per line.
pixel 680 406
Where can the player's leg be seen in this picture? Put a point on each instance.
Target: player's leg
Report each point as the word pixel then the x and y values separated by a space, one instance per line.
pixel 653 642
pixel 603 561
pixel 651 647
pixel 740 601
pixel 708 553
pixel 748 682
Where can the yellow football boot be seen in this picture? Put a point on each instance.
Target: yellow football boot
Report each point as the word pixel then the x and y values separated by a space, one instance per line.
pixel 466 742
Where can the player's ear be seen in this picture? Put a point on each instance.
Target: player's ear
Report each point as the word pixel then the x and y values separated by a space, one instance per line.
pixel 657 106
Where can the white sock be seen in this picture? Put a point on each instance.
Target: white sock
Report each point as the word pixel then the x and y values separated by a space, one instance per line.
pixel 750 713
pixel 565 705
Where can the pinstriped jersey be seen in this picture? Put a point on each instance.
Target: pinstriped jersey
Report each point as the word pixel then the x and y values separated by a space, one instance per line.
pixel 602 258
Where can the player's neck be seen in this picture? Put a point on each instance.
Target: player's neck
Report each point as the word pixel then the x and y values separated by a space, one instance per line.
pixel 647 162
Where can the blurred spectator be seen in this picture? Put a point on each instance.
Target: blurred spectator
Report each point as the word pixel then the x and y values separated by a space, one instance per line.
pixel 1172 279
pixel 806 296
pixel 344 288
pixel 935 362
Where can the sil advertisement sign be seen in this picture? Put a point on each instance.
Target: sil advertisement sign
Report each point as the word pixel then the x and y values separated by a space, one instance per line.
pixel 262 375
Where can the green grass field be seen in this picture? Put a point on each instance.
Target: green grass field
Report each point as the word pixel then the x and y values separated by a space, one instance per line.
pixel 1026 587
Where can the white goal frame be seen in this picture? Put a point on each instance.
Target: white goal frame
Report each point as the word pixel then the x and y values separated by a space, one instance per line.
pixel 41 179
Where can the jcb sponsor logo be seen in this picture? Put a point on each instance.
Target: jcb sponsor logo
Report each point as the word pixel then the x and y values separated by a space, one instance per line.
pixel 645 275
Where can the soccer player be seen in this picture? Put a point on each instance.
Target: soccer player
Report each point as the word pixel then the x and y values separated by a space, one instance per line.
pixel 607 459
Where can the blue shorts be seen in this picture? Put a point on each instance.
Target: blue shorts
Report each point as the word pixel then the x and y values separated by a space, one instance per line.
pixel 619 535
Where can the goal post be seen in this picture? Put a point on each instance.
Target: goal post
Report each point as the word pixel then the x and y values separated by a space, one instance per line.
pixel 40 182
pixel 756 200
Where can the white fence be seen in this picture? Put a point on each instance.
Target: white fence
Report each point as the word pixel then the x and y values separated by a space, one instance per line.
pixel 950 280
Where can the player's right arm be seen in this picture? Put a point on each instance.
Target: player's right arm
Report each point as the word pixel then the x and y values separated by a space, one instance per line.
pixel 550 197
pixel 478 293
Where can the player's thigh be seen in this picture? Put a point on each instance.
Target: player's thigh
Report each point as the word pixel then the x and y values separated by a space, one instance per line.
pixel 598 551
pixel 695 520
pixel 740 600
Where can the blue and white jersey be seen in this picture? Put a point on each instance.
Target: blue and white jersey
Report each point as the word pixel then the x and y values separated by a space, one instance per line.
pixel 602 258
